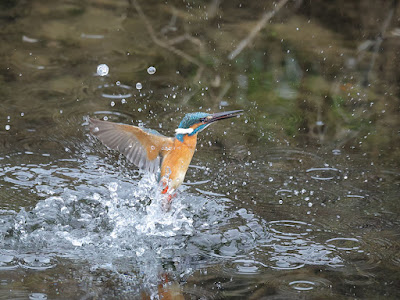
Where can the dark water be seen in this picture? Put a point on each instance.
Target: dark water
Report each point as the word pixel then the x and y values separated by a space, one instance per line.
pixel 296 199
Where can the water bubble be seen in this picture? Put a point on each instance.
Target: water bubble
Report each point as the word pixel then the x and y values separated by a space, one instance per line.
pixel 102 70
pixel 151 70
pixel 7 127
pixel 270 179
pixel 139 86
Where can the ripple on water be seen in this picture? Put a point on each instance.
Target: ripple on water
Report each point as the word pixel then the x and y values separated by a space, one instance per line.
pixel 115 91
pixel 325 173
pixel 346 244
pixel 302 285
pixel 37 296
pixel 293 248
pixel 303 282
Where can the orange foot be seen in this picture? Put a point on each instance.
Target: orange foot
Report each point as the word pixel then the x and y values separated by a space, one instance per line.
pixel 166 202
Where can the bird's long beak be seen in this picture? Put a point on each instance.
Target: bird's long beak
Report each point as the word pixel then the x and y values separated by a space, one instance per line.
pixel 222 116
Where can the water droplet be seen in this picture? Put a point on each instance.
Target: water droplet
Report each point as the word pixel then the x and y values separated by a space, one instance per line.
pixel 123 101
pixel 310 204
pixel 112 103
pixel 151 70
pixel 102 70
pixel 113 186
pixel 270 179
pixel 7 127
pixel 139 86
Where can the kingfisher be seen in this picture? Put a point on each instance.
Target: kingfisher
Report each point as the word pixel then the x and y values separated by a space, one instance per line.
pixel 151 151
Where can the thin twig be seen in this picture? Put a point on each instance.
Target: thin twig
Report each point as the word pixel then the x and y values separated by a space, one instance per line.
pixel 260 24
pixel 163 44
pixel 379 41
pixel 223 92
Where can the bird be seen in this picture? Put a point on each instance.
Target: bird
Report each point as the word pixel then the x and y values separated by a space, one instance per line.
pixel 153 152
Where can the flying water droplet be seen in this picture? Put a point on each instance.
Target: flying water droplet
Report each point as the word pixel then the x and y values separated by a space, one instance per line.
pixel 7 127
pixel 139 86
pixel 151 70
pixel 102 70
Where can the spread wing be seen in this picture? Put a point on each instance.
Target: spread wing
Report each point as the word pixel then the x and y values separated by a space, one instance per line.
pixel 141 146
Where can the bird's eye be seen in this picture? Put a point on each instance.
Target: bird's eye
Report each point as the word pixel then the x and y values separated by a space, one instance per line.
pixel 205 119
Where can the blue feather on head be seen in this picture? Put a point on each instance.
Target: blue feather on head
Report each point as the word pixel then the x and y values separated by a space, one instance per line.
pixel 189 120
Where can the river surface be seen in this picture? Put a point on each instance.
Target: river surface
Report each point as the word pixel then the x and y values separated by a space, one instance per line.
pixel 298 198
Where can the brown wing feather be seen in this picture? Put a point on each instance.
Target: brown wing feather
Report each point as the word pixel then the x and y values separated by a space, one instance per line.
pixel 141 147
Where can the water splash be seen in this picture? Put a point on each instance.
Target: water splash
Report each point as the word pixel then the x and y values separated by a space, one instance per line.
pixel 109 218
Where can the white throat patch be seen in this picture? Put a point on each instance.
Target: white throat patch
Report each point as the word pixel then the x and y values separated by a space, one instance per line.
pixel 184 130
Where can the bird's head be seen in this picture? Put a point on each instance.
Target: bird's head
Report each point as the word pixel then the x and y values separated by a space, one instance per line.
pixel 193 123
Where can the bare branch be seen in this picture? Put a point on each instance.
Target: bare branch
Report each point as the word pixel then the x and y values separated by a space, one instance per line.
pixel 161 43
pixel 260 24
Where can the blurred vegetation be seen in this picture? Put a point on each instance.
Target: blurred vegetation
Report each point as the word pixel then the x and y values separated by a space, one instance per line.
pixel 318 72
